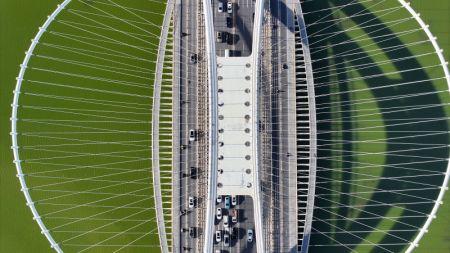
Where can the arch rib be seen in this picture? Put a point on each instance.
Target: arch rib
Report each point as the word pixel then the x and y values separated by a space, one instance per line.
pixel 444 186
pixel 15 145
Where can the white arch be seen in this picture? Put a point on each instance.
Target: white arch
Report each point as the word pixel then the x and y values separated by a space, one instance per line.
pixel 444 186
pixel 15 146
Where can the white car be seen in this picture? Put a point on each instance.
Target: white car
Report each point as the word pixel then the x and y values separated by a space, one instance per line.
pixel 220 7
pixel 234 200
pixel 219 213
pixel 250 235
pixel 218 236
pixel 230 7
pixel 226 222
pixel 192 134
pixel 191 202
pixel 219 199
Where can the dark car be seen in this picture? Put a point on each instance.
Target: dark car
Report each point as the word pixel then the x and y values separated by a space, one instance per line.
pixel 234 233
pixel 192 232
pixel 229 22
pixel 229 38
pixel 193 172
pixel 193 58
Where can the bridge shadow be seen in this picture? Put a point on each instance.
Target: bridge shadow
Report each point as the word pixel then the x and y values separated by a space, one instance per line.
pixel 398 156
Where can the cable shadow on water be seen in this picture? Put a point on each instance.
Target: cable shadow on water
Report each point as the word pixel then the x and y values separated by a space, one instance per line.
pixel 401 194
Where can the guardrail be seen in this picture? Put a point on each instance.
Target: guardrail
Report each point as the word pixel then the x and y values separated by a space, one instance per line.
pixel 256 55
pixel 212 149
pixel 155 128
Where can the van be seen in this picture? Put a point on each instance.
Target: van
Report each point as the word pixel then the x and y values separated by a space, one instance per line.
pixel 227 52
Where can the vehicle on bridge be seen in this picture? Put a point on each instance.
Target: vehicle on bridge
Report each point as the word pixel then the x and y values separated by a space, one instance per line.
pixel 219 199
pixel 192 232
pixel 226 240
pixel 218 236
pixel 250 235
pixel 219 213
pixel 192 135
pixel 226 222
pixel 230 7
pixel 229 22
pixel 227 202
pixel 191 202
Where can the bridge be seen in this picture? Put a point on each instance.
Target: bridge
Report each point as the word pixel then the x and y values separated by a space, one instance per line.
pixel 265 126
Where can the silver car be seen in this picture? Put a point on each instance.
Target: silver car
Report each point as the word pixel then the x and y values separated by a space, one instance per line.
pixel 250 235
pixel 230 7
pixel 191 202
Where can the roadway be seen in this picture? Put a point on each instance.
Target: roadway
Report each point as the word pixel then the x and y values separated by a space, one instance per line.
pixel 280 81
pixel 279 151
pixel 188 120
pixel 287 128
pixel 241 29
pixel 245 221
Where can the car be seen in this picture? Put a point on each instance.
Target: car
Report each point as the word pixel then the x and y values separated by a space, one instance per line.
pixel 220 7
pixel 228 37
pixel 234 233
pixel 219 213
pixel 191 202
pixel 192 135
pixel 217 251
pixel 219 199
pixel 233 213
pixel 228 22
pixel 218 236
pixel 230 7
pixel 219 37
pixel 193 58
pixel 234 200
pixel 226 222
pixel 250 235
pixel 226 240
pixel 285 66
pixel 227 202
pixel 191 232
pixel 193 173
